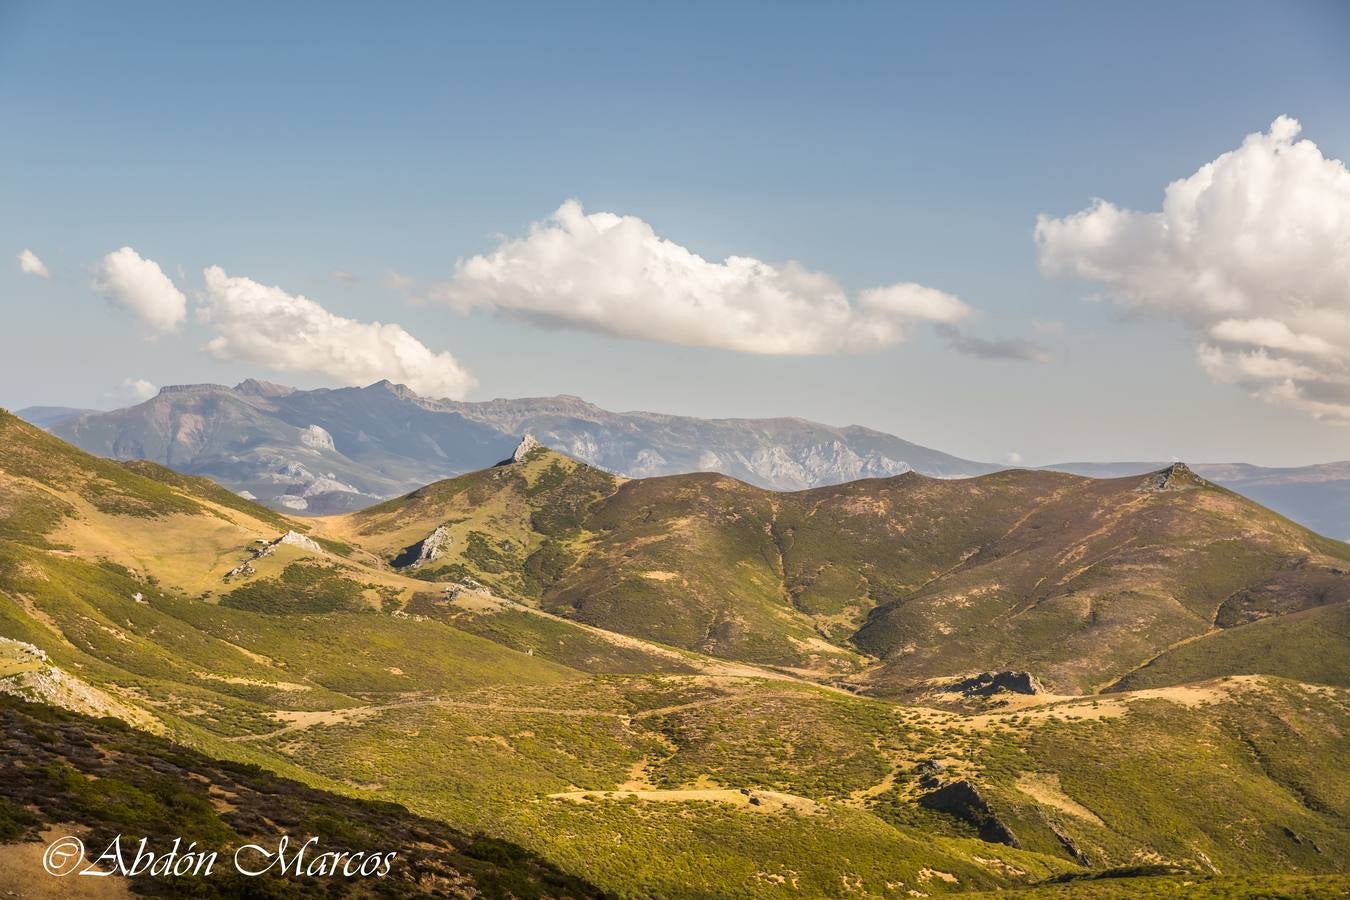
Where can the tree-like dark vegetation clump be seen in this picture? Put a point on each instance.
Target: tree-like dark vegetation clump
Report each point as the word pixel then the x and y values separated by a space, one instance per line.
pixel 301 588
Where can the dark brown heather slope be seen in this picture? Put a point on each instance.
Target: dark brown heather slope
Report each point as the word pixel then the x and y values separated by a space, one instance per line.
pixel 1075 580
pixel 101 779
pixel 1103 577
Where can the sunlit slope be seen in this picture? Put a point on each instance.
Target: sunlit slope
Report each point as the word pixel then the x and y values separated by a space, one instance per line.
pixel 686 775
pixel 670 560
pixel 684 783
pixel 1077 581
pixel 119 578
pixel 1310 645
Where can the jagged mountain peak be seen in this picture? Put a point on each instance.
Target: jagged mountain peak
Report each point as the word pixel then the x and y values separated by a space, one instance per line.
pixel 259 388
pixel 1176 477
pixel 385 386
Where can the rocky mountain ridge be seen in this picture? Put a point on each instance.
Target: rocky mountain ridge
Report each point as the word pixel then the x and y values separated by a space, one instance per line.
pixel 328 451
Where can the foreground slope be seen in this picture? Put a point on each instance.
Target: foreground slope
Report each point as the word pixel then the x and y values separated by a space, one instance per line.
pixel 67 772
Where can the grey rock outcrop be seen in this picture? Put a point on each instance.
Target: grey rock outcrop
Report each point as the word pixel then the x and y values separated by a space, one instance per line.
pixel 430 548
pixel 267 548
pixel 527 443
pixel 1176 477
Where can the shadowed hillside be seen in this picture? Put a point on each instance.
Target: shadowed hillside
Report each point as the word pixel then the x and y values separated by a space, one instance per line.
pixel 66 773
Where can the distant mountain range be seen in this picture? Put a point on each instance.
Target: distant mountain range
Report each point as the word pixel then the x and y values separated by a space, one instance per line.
pixel 325 451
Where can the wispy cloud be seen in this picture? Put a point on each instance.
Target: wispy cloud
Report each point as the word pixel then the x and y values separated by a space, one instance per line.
pixel 1000 348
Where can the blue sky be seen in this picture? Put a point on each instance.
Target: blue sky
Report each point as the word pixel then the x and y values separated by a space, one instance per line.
pixel 878 143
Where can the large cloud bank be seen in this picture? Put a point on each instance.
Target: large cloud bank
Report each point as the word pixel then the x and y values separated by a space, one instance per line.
pixel 1252 252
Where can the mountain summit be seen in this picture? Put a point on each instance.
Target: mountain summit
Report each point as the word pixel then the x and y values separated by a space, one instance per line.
pixel 527 443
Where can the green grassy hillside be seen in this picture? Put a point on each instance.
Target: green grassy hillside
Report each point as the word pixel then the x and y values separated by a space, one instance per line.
pixel 477 691
pixel 1077 581
pixel 1305 646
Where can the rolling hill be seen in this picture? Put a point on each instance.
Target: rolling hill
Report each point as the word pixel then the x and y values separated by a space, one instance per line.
pixel 1317 497
pixel 1077 581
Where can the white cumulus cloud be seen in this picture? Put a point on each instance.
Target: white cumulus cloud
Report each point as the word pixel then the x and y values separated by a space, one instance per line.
pixel 1252 251
pixel 290 333
pixel 139 388
pixel 615 275
pixel 29 264
pixel 140 287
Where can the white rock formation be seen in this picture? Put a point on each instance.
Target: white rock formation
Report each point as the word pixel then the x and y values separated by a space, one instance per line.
pixel 38 681
pixel 434 546
pixel 317 438
pixel 267 548
pixel 243 570
pixel 296 539
pixel 527 443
